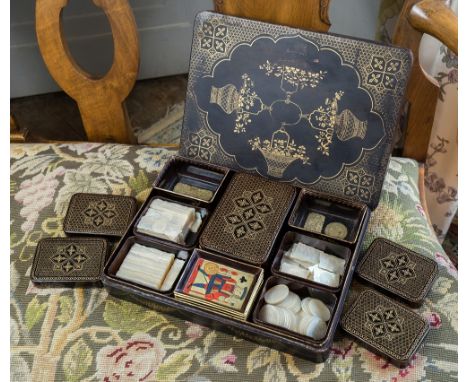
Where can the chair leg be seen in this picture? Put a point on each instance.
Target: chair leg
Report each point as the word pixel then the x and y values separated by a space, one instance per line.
pixel 17 135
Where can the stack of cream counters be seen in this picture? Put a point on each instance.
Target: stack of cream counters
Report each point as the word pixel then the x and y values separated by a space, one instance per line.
pixel 284 308
pixel 313 264
pixel 170 221
pixel 151 267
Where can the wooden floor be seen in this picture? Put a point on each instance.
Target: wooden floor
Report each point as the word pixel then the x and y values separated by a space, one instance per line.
pixel 55 116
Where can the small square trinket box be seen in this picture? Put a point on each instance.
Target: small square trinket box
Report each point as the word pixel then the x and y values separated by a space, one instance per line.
pixel 398 270
pixel 385 327
pixel 66 259
pixel 98 214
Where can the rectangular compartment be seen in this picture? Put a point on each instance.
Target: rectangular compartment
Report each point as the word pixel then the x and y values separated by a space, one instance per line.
pixel 303 290
pixel 331 248
pixel 221 260
pixel 248 330
pixel 334 210
pixel 191 238
pixel 193 173
pixel 117 260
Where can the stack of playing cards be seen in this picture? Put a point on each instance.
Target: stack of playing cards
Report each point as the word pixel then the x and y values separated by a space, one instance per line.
pixel 220 284
pixel 312 264
pixel 151 267
pixel 169 220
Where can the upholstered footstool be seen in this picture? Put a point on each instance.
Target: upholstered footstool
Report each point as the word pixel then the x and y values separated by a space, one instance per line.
pixel 83 334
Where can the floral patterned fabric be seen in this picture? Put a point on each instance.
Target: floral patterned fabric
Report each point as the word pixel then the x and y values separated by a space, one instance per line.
pixel 84 334
pixel 441 175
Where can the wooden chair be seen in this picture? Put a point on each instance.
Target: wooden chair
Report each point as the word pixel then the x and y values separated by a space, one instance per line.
pixel 417 17
pixel 100 100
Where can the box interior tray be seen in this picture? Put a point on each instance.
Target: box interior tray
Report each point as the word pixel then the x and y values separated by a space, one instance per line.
pixel 250 329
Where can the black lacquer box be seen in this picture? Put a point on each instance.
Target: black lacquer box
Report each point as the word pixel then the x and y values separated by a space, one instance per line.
pixel 98 214
pixel 385 326
pixel 286 139
pixel 69 259
pixel 398 270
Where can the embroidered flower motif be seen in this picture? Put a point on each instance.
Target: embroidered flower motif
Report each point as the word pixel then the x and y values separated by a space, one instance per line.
pixel 421 210
pixel 447 264
pixel 387 221
pixel 108 160
pixel 194 331
pixel 224 361
pixel 137 359
pixel 434 320
pixel 35 194
pixel 383 370
pixel 17 151
pixel 81 148
pixel 442 285
pixel 152 159
pixel 343 350
pixel 230 359
pixel 74 182
pixel 449 58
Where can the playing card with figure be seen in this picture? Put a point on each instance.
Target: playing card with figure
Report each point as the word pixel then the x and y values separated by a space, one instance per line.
pixel 221 284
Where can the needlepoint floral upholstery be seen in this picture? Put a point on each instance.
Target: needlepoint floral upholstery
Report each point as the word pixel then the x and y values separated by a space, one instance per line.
pixel 84 334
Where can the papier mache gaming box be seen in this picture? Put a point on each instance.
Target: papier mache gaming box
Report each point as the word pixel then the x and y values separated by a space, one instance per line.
pixel 287 133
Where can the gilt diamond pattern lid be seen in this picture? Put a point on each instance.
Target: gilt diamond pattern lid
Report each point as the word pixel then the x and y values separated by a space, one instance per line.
pixel 248 218
pixel 398 270
pixel 385 326
pixel 312 109
pixel 65 259
pixel 99 214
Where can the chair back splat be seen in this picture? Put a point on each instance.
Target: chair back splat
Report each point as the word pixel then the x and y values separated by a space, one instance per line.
pixel 100 100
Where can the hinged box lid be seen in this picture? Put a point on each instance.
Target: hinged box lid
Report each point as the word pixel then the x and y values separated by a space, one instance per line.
pixel 312 109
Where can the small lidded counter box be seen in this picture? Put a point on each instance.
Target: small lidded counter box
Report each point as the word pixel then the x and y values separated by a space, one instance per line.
pixel 398 270
pixel 385 327
pixel 69 260
pixel 98 214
